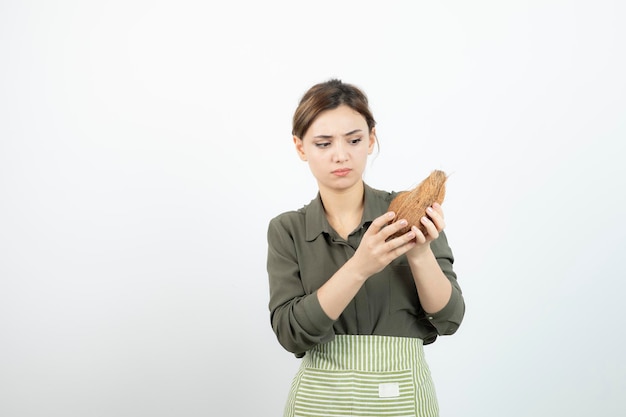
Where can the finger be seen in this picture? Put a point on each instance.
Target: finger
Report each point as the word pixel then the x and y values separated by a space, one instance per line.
pixel 435 214
pixel 419 236
pixel 438 208
pixel 402 244
pixel 406 238
pixel 394 228
pixel 431 229
pixel 381 222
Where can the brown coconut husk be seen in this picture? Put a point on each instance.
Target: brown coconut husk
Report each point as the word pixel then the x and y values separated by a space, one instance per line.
pixel 411 205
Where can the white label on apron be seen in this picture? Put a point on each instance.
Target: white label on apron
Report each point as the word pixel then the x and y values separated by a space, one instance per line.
pixel 389 390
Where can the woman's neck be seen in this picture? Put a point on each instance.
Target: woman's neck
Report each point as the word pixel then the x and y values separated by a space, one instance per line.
pixel 344 208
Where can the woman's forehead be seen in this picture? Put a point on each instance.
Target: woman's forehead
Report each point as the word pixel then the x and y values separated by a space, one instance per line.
pixel 339 121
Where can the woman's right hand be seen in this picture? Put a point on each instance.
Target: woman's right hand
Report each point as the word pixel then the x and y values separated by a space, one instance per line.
pixel 376 251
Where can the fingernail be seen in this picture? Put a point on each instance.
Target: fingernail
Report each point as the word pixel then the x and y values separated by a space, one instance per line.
pixel 403 222
pixel 429 209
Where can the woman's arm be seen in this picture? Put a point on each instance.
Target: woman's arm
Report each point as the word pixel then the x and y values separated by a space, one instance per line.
pixel 300 320
pixel 438 291
pixel 374 253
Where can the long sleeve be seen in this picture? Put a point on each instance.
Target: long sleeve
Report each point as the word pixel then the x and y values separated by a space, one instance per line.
pixel 297 317
pixel 447 320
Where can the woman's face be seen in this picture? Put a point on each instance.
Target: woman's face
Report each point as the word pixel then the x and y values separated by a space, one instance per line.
pixel 336 147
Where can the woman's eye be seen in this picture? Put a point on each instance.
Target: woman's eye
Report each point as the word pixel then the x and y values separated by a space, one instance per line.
pixel 322 144
pixel 355 141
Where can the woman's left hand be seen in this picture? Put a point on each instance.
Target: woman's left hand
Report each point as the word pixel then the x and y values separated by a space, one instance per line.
pixel 434 224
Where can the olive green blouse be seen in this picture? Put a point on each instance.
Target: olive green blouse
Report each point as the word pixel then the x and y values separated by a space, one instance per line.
pixel 304 252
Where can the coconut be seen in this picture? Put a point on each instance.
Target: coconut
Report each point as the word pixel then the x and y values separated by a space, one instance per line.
pixel 411 205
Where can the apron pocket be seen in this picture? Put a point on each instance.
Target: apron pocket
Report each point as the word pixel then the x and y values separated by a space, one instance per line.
pixel 323 392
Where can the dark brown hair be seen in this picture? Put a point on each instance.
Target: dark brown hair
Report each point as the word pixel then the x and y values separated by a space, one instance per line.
pixel 327 96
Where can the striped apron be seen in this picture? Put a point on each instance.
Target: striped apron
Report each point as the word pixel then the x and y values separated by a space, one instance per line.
pixel 361 375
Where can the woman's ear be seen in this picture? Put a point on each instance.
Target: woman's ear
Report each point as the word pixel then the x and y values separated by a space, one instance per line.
pixel 372 141
pixel 299 147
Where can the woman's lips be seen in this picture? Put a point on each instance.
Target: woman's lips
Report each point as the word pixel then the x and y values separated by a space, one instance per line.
pixel 342 172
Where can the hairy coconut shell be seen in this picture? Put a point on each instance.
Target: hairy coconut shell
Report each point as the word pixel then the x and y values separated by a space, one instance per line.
pixel 411 205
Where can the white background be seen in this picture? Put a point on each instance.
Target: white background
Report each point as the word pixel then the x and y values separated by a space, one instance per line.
pixel 144 146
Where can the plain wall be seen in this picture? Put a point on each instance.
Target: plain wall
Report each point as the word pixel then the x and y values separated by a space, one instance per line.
pixel 144 146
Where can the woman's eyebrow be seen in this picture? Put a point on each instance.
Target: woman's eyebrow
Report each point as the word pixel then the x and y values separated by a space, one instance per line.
pixel 352 132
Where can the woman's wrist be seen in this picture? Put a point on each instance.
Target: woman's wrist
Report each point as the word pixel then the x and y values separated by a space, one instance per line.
pixel 419 254
pixel 352 270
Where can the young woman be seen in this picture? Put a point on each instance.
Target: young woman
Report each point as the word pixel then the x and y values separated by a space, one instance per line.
pixel 356 306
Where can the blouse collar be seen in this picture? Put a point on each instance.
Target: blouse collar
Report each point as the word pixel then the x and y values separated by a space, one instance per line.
pixel 376 203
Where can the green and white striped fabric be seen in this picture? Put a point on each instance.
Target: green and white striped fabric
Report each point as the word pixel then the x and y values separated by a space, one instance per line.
pixel 359 375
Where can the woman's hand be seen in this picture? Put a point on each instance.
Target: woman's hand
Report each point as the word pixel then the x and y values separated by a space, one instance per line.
pixel 376 251
pixel 434 223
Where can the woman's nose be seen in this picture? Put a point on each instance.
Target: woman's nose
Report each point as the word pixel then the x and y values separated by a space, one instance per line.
pixel 341 153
